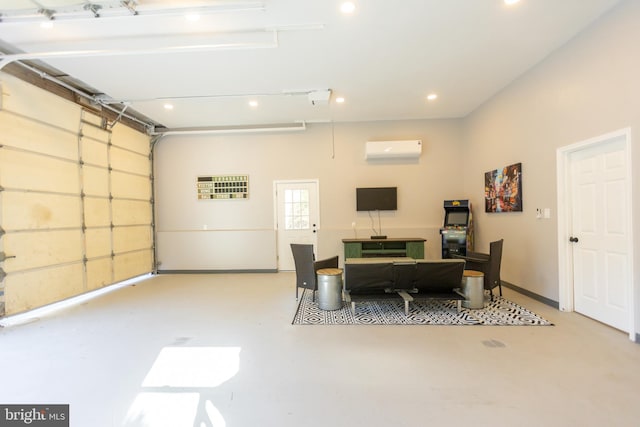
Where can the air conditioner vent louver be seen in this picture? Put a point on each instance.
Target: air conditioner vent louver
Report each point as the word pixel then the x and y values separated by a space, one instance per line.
pixel 376 150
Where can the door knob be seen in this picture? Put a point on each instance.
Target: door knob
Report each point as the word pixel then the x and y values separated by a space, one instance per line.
pixel 573 239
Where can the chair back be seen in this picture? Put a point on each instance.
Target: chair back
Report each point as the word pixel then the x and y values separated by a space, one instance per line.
pixel 303 259
pixel 493 269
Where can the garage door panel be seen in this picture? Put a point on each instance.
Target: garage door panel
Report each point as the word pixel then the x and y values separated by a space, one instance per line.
pixel 130 139
pixel 96 133
pixel 99 273
pixel 65 178
pixel 40 105
pixel 92 119
pixel 128 161
pixel 44 248
pixel 131 238
pixel 24 170
pixel 131 212
pixel 22 133
pixel 95 181
pixel 132 264
pixel 128 186
pixel 94 152
pixel 98 242
pixel 23 211
pixel 31 289
pixel 96 212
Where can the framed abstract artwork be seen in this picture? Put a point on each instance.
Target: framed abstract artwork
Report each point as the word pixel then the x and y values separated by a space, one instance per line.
pixel 503 189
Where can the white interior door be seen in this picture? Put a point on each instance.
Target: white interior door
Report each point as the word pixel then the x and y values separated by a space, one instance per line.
pixel 297 218
pixel 600 231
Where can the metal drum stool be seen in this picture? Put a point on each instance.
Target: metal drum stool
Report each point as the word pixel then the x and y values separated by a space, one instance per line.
pixel 330 288
pixel 473 289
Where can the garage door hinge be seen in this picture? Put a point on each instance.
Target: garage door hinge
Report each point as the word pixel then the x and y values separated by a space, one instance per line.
pixel 2 275
pixel 1 231
pixel 1 188
pixel 4 256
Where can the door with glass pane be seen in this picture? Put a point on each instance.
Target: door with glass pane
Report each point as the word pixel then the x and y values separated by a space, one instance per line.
pixel 297 218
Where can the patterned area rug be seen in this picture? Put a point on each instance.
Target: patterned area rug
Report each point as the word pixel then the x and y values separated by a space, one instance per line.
pixel 499 312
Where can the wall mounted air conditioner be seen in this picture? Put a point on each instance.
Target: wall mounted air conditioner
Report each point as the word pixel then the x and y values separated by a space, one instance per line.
pixel 377 150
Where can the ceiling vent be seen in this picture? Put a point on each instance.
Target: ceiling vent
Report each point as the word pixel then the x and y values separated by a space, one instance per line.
pixel 377 150
pixel 319 97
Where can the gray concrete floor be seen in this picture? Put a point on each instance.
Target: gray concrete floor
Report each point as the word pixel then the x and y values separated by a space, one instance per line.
pixel 220 350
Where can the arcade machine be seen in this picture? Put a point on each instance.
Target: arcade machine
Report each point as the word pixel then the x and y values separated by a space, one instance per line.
pixel 457 232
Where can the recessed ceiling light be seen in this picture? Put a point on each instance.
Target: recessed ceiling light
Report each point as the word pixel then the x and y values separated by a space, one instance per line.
pixel 510 2
pixel 192 17
pixel 253 103
pixel 347 7
pixel 340 100
pixel 432 96
pixel 46 25
pixel 168 106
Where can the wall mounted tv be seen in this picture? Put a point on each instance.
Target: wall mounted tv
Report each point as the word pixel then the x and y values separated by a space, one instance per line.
pixel 377 199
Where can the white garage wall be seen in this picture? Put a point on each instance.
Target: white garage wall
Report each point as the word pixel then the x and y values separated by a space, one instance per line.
pixel 239 234
pixel 587 88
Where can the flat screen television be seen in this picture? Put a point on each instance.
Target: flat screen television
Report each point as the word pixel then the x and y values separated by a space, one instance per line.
pixel 377 199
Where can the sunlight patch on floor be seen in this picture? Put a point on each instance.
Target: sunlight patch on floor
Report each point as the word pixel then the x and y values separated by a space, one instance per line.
pixel 176 388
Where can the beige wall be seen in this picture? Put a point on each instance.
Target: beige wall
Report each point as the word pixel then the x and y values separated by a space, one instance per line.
pixel 334 157
pixel 588 88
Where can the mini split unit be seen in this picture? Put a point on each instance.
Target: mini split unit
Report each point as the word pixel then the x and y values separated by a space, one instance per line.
pixel 379 150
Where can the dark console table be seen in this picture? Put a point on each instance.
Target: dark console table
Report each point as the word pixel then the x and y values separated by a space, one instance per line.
pixel 366 248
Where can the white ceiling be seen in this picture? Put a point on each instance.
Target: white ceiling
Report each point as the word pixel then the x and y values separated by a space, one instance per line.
pixel 384 59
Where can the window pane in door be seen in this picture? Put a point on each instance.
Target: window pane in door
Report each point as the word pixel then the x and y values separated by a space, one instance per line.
pixel 296 204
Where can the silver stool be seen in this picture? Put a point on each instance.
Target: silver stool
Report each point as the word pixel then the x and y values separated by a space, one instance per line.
pixel 330 288
pixel 473 289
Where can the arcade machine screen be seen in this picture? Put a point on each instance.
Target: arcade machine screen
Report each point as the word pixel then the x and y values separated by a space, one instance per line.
pixel 457 218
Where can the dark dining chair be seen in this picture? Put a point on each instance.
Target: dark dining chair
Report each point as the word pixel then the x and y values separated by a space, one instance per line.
pixel 489 264
pixel 307 266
